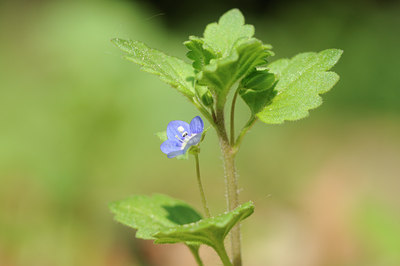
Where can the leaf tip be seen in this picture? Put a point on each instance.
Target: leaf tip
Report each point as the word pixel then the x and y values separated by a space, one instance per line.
pixel 112 206
pixel 115 41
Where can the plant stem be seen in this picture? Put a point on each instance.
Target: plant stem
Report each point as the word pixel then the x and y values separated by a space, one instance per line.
pixel 245 129
pixel 195 252
pixel 221 251
pixel 231 183
pixel 202 194
pixel 232 131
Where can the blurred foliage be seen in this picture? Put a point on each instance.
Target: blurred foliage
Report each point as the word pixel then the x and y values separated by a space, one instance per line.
pixel 77 133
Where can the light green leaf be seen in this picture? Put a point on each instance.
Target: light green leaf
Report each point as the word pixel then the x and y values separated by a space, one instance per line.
pixel 150 215
pixel 226 54
pixel 162 135
pixel 168 220
pixel 171 70
pixel 300 81
pixel 257 89
pixel 221 37
pixel 222 73
pixel 210 231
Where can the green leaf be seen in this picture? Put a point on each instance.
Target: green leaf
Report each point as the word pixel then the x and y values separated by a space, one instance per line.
pixel 226 54
pixel 171 70
pixel 201 56
pixel 204 95
pixel 150 215
pixel 221 37
pixel 210 231
pixel 168 220
pixel 300 82
pixel 257 89
pixel 222 73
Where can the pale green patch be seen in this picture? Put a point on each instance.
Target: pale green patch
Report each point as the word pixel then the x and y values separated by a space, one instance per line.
pixel 300 82
pixel 162 135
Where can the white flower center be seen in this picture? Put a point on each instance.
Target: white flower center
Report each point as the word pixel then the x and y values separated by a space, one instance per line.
pixel 181 129
pixel 185 139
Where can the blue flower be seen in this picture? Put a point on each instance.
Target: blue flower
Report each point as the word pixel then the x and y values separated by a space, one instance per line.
pixel 181 136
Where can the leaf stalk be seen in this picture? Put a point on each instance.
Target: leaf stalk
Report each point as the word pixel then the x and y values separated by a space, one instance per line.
pixel 200 185
pixel 232 124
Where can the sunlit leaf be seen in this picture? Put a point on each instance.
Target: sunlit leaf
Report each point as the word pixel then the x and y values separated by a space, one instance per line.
pixel 221 37
pixel 150 215
pixel 171 70
pixel 300 82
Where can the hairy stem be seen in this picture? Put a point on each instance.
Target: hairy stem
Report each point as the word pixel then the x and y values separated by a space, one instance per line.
pixel 202 194
pixel 231 183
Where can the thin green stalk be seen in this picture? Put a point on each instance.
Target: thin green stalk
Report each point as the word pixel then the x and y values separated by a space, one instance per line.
pixel 202 194
pixel 243 132
pixel 213 114
pixel 233 116
pixel 195 251
pixel 221 251
pixel 205 113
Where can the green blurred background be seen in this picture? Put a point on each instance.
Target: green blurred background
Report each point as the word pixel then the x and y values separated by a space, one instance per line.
pixel 77 130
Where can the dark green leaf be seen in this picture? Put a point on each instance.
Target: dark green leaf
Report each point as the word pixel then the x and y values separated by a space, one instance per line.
pixel 257 90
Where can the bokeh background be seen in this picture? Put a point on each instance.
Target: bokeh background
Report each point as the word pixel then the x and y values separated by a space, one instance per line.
pixel 77 128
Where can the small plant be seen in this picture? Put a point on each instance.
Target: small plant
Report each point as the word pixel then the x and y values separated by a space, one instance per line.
pixel 226 59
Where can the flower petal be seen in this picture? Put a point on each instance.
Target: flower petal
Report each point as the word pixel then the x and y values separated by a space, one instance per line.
pixel 169 146
pixel 196 125
pixel 193 141
pixel 172 129
pixel 176 153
